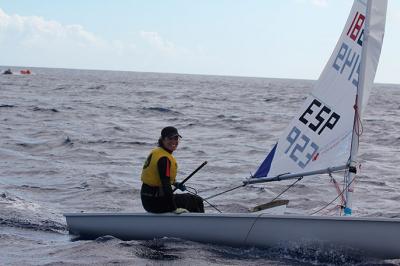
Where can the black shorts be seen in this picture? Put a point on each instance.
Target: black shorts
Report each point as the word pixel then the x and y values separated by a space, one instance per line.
pixel 153 202
pixel 190 202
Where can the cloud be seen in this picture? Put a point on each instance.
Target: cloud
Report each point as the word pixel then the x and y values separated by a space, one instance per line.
pixel 320 3
pixel 36 41
pixel 317 3
pixel 157 42
pixel 393 15
pixel 32 31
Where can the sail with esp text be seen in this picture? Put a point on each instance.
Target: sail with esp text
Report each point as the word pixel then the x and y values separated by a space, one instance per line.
pixel 320 135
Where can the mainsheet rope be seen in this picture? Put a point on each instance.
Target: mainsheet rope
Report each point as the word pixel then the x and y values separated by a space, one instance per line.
pixel 195 193
pixel 325 206
pixel 226 191
pixel 359 129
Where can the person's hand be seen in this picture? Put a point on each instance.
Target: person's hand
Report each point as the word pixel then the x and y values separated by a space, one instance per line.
pixel 180 186
pixel 180 210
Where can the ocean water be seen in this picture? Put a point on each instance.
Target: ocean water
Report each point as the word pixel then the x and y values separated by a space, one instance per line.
pixel 75 141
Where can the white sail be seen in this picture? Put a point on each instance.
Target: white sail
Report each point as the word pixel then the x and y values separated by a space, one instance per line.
pixel 320 135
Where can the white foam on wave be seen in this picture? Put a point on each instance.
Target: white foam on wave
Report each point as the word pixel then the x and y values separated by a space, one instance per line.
pixel 14 202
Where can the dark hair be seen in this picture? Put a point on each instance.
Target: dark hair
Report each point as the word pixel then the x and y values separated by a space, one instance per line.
pixel 160 144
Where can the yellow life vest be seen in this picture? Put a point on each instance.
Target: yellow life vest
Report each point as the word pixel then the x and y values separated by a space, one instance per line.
pixel 150 174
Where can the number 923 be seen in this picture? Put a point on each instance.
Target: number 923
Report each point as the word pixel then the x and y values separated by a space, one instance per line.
pixel 300 147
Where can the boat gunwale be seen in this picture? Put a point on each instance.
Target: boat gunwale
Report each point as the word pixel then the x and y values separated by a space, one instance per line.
pixel 237 215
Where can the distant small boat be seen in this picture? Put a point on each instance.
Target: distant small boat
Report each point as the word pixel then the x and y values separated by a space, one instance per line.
pixel 7 72
pixel 25 71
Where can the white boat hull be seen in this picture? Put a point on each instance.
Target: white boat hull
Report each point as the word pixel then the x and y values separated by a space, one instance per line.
pixel 376 237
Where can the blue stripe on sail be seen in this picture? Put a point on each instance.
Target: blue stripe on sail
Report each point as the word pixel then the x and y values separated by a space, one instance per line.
pixel 263 170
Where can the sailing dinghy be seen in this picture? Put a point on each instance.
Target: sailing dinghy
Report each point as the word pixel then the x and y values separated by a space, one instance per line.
pixel 322 138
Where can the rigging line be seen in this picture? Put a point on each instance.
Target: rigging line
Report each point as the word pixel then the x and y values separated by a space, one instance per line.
pixel 300 178
pixel 251 228
pixel 359 129
pixel 336 185
pixel 226 191
pixel 355 129
pixel 211 205
pixel 195 193
pixel 348 185
pixel 191 188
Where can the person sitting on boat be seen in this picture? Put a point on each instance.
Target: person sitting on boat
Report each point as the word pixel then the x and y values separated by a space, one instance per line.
pixel 159 173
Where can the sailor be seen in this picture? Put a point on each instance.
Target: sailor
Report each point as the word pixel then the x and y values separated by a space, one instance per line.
pixel 159 173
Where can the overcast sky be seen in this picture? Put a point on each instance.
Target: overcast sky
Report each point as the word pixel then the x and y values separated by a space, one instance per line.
pixel 263 38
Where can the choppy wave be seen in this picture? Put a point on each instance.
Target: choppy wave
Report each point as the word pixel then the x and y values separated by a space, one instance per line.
pixel 97 87
pixel 7 105
pixel 42 225
pixel 17 212
pixel 41 109
pixel 161 110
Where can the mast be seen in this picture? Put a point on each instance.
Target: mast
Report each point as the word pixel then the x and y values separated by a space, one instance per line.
pixel 351 175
